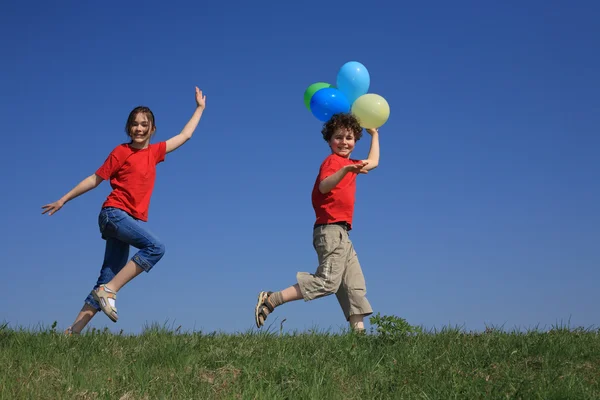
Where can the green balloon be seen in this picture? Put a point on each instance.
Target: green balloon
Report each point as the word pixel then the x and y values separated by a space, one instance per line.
pixel 312 89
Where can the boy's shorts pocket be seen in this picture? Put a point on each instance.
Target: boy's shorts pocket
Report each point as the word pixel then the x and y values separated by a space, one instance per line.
pixel 327 240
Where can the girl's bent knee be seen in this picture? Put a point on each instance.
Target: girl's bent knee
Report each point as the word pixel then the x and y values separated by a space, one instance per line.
pixel 159 249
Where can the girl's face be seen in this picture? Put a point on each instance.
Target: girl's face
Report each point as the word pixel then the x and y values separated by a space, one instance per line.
pixel 141 130
pixel 342 142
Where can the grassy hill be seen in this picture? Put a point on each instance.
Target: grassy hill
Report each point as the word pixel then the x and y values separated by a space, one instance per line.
pixel 391 363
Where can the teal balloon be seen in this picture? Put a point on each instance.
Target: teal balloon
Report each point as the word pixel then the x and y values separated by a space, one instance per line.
pixel 328 101
pixel 353 80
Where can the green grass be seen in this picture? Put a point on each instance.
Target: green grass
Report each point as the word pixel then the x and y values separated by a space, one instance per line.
pixel 161 364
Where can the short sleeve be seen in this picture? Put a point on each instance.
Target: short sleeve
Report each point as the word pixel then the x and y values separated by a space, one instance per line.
pixel 160 151
pixel 329 167
pixel 112 163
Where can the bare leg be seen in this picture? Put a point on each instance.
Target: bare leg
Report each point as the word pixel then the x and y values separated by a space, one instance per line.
pixel 126 274
pixel 291 294
pixel 356 323
pixel 83 318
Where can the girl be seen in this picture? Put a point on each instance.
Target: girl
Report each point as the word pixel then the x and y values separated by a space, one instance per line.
pixel 131 168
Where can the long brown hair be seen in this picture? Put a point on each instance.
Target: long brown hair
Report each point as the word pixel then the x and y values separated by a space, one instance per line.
pixel 134 113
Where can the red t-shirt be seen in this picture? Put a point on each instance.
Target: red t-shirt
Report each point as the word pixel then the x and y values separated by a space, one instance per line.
pixel 338 204
pixel 132 173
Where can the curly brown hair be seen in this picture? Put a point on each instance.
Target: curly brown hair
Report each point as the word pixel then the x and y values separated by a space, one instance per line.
pixel 341 121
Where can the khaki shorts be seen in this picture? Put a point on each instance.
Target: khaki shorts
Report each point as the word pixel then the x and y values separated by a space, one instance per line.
pixel 339 272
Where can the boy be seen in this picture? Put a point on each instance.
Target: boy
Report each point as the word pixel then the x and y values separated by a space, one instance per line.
pixel 333 197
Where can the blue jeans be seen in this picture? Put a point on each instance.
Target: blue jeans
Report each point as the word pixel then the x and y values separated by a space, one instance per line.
pixel 120 230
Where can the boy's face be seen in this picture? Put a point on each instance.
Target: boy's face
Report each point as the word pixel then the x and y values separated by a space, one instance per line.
pixel 342 142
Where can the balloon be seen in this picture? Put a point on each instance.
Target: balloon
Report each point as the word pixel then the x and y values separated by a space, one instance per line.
pixel 371 110
pixel 328 101
pixel 311 90
pixel 353 80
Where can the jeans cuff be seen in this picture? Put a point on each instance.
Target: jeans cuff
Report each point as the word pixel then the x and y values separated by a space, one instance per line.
pixel 92 302
pixel 143 264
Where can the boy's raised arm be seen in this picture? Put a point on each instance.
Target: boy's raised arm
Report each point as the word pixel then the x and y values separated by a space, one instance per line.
pixel 373 157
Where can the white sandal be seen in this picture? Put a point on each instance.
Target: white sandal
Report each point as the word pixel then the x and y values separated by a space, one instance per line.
pixel 103 295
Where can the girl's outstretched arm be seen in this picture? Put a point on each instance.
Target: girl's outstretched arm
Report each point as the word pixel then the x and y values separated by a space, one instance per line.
pixel 85 185
pixel 188 130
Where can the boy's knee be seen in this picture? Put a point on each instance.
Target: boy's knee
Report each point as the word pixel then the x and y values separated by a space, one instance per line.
pixel 330 287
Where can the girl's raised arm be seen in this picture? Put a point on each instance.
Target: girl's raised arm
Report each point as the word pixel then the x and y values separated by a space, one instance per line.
pixel 188 130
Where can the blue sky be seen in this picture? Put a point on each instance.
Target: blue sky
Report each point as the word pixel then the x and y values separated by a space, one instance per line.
pixel 483 211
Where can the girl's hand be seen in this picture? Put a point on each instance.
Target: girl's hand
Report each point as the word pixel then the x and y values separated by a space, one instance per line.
pixel 52 207
pixel 371 131
pixel 200 99
pixel 357 168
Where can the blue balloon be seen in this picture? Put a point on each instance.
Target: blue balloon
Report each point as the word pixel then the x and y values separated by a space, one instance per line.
pixel 353 80
pixel 328 101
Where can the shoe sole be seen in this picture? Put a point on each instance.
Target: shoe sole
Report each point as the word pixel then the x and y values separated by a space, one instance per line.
pixel 262 296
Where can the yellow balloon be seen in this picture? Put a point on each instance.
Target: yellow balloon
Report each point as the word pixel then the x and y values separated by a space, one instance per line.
pixel 372 110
